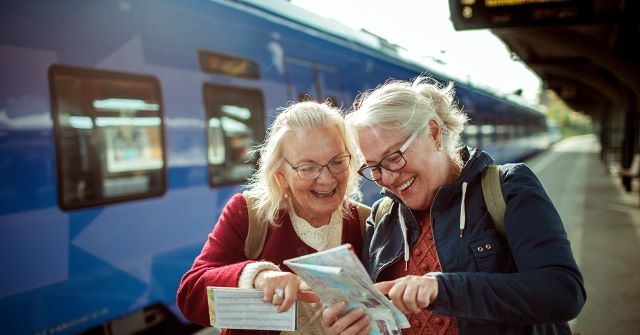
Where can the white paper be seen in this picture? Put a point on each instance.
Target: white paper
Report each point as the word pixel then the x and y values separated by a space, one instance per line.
pixel 236 308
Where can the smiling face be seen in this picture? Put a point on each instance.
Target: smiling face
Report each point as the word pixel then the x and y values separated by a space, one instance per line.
pixel 427 167
pixel 314 200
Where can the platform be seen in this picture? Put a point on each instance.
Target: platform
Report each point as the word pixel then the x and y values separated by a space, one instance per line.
pixel 603 224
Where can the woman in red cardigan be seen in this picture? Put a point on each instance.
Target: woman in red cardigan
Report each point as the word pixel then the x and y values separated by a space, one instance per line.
pixel 303 189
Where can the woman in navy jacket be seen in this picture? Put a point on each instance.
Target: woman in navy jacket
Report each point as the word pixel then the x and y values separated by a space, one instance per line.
pixel 436 252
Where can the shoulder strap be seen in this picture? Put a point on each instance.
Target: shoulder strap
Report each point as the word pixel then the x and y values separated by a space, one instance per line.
pixel 383 208
pixel 257 231
pixel 492 192
pixel 363 213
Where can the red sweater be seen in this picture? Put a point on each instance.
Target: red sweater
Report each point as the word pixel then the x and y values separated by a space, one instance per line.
pixel 222 258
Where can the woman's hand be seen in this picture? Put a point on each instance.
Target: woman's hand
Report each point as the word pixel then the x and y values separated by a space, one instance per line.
pixel 356 322
pixel 306 294
pixel 280 288
pixel 411 294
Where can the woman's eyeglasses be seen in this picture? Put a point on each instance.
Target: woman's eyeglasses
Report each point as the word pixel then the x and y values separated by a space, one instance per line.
pixel 391 162
pixel 313 171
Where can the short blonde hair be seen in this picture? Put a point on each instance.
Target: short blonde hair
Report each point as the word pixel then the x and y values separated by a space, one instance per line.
pixel 409 105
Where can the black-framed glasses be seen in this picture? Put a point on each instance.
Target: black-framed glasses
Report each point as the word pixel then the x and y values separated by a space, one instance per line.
pixel 314 170
pixel 391 162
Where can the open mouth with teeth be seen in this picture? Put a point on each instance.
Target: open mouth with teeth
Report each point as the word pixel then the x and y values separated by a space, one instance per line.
pixel 406 185
pixel 323 194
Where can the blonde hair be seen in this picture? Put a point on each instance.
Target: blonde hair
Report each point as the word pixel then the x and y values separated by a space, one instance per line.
pixel 263 185
pixel 409 105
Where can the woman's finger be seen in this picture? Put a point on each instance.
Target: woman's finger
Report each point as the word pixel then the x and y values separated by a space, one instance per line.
pixel 410 299
pixel 354 322
pixel 396 294
pixel 330 315
pixel 288 298
pixel 385 286
pixel 308 296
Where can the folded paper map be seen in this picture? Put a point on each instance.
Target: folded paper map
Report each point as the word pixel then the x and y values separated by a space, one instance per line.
pixel 338 275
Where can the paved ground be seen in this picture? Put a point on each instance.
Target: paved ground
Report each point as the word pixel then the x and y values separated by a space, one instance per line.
pixel 603 224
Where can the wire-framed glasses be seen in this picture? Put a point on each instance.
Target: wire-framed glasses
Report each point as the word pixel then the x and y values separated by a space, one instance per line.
pixel 391 162
pixel 313 171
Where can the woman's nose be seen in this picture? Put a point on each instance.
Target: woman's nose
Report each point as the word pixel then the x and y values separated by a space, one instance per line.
pixel 325 174
pixel 388 177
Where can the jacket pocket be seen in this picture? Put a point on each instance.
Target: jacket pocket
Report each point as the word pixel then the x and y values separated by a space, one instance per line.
pixel 489 253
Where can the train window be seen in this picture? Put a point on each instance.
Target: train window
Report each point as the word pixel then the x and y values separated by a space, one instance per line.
pixel 235 125
pixel 227 65
pixel 501 133
pixel 300 80
pixel 313 81
pixel 109 136
pixel 487 133
pixel 471 135
pixel 329 85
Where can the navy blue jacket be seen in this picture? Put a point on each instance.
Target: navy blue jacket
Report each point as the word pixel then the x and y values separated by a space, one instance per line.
pixel 526 283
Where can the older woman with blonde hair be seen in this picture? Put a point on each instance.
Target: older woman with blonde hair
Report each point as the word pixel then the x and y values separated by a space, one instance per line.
pixel 436 251
pixel 306 191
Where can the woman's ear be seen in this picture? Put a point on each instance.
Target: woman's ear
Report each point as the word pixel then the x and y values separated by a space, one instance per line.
pixel 436 133
pixel 281 180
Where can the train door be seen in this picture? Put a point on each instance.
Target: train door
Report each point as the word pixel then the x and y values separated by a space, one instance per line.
pixel 234 119
pixel 312 81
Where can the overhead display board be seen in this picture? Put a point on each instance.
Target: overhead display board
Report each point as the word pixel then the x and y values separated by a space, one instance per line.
pixel 482 14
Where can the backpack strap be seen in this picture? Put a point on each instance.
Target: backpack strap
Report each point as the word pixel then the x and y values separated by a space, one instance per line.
pixel 492 192
pixel 257 231
pixel 363 213
pixel 383 208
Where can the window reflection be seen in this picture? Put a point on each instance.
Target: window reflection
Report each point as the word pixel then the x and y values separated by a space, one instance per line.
pixel 235 125
pixel 109 136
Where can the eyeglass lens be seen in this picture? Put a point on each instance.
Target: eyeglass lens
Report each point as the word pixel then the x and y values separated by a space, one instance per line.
pixel 392 162
pixel 313 171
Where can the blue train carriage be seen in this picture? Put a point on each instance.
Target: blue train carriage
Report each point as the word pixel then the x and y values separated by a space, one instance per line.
pixel 508 128
pixel 124 128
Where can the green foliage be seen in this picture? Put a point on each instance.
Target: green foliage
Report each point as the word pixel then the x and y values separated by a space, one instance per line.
pixel 569 121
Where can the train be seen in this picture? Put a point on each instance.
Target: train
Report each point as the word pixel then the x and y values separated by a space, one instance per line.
pixel 126 125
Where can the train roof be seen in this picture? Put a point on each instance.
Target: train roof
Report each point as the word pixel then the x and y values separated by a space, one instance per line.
pixel 360 37
pixel 373 43
pixel 302 16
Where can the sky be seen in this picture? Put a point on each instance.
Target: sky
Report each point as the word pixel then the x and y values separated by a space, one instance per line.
pixel 423 28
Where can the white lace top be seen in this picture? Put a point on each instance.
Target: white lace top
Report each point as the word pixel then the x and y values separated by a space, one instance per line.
pixel 320 238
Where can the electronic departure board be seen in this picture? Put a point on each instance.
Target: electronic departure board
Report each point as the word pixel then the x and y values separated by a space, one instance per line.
pixel 481 14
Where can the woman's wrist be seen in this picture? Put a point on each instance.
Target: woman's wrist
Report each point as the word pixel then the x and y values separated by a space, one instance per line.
pixel 251 271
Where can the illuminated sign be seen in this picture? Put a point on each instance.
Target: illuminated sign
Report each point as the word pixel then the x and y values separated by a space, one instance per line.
pixel 481 14
pixel 226 65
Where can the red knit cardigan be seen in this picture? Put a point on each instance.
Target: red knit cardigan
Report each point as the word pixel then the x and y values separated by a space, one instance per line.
pixel 222 258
